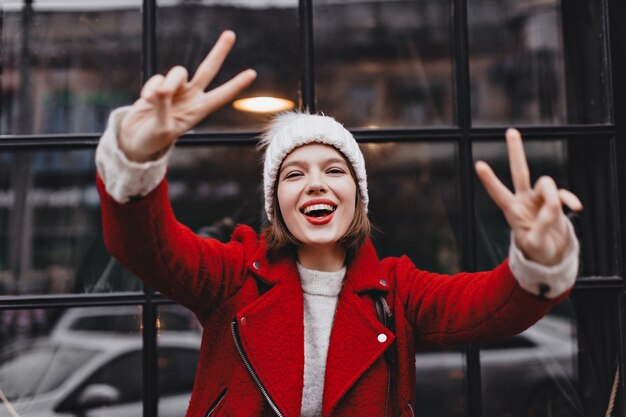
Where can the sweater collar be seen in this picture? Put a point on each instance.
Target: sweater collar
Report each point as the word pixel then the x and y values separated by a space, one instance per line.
pixel 363 273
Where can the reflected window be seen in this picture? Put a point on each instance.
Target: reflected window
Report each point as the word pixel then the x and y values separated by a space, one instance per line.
pixel 384 63
pixel 527 68
pixel 54 79
pixel 414 202
pixel 50 226
pixel 124 374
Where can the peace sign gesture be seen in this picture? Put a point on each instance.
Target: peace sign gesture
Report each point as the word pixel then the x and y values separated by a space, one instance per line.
pixel 535 214
pixel 171 105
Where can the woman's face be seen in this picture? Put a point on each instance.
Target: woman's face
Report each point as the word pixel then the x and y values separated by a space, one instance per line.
pixel 316 194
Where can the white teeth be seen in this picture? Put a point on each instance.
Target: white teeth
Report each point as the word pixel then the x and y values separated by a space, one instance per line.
pixel 314 207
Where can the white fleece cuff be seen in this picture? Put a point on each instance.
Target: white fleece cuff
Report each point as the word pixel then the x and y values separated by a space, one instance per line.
pixel 122 177
pixel 546 281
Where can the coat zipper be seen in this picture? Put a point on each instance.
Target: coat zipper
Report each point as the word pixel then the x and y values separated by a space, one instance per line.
pixel 216 404
pixel 251 371
pixel 410 409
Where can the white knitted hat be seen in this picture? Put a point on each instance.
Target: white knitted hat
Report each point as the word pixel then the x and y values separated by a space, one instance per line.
pixel 289 130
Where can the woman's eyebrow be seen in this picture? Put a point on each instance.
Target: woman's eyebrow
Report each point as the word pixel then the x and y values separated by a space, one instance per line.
pixel 292 163
pixel 336 161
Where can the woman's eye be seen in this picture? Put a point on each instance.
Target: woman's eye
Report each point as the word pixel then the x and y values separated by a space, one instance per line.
pixel 336 171
pixel 292 174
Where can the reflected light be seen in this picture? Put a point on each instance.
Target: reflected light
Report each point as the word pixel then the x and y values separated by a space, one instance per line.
pixel 263 104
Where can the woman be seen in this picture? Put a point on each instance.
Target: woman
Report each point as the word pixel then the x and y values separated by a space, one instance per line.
pixel 305 319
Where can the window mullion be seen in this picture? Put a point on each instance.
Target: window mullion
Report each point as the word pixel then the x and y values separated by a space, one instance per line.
pixel 149 316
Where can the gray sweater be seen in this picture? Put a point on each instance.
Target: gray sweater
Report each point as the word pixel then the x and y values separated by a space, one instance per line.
pixel 321 292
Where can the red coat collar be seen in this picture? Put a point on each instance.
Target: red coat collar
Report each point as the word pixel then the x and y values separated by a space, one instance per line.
pixel 272 332
pixel 363 273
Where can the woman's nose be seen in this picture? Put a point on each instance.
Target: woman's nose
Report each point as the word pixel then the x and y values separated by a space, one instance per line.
pixel 315 186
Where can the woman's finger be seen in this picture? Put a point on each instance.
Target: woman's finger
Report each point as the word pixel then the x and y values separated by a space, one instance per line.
pixel 175 79
pixel 570 200
pixel 213 62
pixel 151 85
pixel 550 211
pixel 517 161
pixel 498 192
pixel 221 95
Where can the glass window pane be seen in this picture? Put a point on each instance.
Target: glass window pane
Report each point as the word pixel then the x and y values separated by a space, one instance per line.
pixel 533 373
pixel 567 367
pixel 384 63
pixel 414 202
pixel 75 370
pixel 178 351
pixel 537 62
pixel 267 41
pixel 99 321
pixel 50 228
pixel 20 327
pixel 580 165
pixel 54 78
pixel 598 314
pixel 210 195
pixel 440 382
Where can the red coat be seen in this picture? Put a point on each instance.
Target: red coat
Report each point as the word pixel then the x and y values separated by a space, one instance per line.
pixel 243 301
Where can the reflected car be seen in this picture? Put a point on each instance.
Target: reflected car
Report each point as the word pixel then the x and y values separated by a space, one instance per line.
pixel 528 375
pixel 86 375
pixel 122 320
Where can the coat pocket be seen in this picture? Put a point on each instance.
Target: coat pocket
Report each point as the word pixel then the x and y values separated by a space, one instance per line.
pixel 216 404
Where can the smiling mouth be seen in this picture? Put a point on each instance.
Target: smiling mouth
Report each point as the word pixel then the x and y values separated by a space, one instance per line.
pixel 318 210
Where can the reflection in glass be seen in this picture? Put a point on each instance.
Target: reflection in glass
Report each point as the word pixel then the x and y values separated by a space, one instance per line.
pixel 598 314
pixel 54 78
pixel 50 227
pixel 384 63
pixel 591 180
pixel 178 347
pixel 70 368
pixel 267 41
pixel 533 373
pixel 414 202
pixel 528 68
pixel 212 189
pixel 440 382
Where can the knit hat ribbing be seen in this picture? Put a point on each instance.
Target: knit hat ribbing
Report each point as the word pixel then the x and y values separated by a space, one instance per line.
pixel 290 130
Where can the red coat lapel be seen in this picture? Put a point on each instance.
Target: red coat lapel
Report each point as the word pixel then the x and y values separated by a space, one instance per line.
pixel 358 338
pixel 355 344
pixel 271 331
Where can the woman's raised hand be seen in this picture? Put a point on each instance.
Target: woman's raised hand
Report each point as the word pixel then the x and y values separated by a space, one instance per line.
pixel 171 105
pixel 535 214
